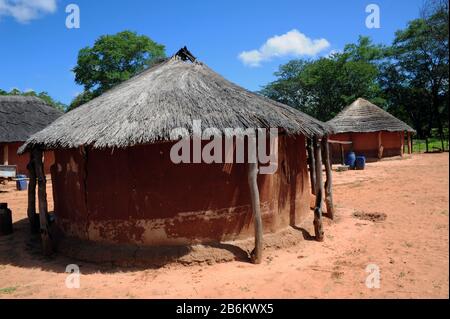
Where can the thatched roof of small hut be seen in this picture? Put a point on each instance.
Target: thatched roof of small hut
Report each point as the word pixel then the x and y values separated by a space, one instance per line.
pixel 170 95
pixel 362 116
pixel 22 116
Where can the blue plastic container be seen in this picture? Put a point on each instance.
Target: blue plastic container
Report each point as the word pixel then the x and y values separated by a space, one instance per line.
pixel 360 162
pixel 350 159
pixel 21 182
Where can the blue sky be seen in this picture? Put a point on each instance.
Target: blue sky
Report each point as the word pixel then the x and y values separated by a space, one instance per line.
pixel 37 51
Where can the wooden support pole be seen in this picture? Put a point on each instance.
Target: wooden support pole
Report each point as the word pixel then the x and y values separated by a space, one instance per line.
pixel 312 165
pixel 47 245
pixel 380 146
pixel 409 143
pixel 342 154
pixel 256 255
pixel 318 228
pixel 5 154
pixel 33 218
pixel 329 181
pixel 402 143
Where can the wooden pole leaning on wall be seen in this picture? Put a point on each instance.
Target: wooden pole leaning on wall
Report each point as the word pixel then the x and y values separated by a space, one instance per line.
pixel 380 146
pixel 409 143
pixel 47 245
pixel 5 154
pixel 33 218
pixel 312 165
pixel 402 145
pixel 318 228
pixel 329 180
pixel 256 255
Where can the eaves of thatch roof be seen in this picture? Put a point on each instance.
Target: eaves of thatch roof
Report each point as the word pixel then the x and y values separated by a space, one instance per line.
pixel 363 116
pixel 170 95
pixel 23 116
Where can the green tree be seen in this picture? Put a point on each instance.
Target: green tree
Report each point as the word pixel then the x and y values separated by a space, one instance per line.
pixel 417 74
pixel 323 87
pixel 15 92
pixel 50 101
pixel 289 88
pixel 111 60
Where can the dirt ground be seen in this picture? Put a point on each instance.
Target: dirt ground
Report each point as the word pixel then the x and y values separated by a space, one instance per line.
pixel 394 216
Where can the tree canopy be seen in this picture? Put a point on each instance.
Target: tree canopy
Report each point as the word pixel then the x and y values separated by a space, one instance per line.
pixel 415 79
pixel 111 60
pixel 323 87
pixel 408 78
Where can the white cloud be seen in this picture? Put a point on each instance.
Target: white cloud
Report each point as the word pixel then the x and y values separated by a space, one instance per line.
pixel 26 10
pixel 292 43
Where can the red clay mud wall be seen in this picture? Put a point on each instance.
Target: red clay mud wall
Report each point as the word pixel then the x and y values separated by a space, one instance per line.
pixel 21 161
pixel 366 144
pixel 138 195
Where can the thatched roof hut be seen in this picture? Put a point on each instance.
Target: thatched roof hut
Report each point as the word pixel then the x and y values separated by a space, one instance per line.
pixel 115 182
pixel 21 117
pixel 363 116
pixel 373 132
pixel 172 94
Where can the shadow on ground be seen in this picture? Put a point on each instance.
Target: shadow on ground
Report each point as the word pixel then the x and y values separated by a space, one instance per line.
pixel 23 249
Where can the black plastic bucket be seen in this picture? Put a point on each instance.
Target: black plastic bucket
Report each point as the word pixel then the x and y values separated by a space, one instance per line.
pixel 6 227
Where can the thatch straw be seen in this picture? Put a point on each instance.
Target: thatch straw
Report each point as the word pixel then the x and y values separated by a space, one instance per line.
pixel 22 116
pixel 169 95
pixel 363 116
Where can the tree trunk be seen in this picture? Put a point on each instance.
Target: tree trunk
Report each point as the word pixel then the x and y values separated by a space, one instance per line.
pixel 318 228
pixel 437 114
pixel 329 181
pixel 256 255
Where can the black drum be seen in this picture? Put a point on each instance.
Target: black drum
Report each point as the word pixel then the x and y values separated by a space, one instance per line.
pixel 5 220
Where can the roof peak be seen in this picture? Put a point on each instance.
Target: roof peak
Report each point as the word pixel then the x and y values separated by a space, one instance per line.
pixel 360 99
pixel 184 54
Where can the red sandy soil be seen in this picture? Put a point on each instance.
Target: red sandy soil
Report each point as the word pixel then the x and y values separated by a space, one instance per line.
pixel 410 247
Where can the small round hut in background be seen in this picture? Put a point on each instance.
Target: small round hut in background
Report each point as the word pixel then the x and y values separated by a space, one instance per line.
pixel 21 117
pixel 368 130
pixel 114 180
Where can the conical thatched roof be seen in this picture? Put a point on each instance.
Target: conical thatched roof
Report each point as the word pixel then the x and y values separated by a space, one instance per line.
pixel 363 116
pixel 22 116
pixel 169 95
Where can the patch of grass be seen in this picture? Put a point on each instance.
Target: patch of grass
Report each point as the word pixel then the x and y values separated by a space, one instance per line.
pixel 434 143
pixel 8 290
